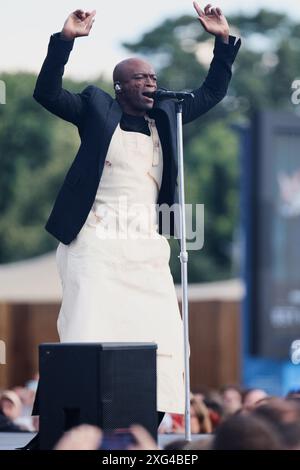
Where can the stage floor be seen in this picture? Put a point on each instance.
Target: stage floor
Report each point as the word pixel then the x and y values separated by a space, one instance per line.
pixel 12 440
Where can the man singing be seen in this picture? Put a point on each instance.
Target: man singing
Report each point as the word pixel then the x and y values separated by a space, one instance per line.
pixel 112 258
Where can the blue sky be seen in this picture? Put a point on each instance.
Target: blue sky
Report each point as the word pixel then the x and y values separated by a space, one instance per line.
pixel 28 25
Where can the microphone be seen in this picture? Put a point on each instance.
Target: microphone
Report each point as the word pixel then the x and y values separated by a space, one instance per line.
pixel 162 94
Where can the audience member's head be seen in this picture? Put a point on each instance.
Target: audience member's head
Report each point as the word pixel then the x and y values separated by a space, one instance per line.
pixel 232 399
pixel 284 415
pixel 10 404
pixel 246 432
pixel 294 393
pixel 253 396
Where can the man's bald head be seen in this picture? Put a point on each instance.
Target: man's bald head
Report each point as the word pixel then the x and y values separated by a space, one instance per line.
pixel 132 78
pixel 125 69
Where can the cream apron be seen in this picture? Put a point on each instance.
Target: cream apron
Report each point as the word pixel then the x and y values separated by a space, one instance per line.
pixel 117 284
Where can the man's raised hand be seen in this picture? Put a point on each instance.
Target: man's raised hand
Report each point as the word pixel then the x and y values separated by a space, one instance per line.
pixel 79 23
pixel 213 21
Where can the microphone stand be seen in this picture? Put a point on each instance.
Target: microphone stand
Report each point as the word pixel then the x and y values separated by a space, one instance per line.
pixel 184 273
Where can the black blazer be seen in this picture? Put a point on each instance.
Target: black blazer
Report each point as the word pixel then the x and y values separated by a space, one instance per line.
pixel 96 115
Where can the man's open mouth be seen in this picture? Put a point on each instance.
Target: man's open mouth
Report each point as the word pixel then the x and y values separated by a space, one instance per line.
pixel 148 94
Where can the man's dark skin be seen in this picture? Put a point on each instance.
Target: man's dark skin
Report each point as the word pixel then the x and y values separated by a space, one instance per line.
pixel 133 76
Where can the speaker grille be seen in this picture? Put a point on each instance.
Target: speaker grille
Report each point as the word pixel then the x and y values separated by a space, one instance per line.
pixel 111 385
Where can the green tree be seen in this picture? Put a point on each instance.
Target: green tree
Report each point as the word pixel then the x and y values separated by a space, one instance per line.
pixel 36 150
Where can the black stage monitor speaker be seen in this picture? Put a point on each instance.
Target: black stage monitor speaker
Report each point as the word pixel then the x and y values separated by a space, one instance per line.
pixel 110 385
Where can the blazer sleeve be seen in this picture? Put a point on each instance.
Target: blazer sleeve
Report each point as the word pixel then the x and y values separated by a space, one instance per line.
pixel 48 89
pixel 215 86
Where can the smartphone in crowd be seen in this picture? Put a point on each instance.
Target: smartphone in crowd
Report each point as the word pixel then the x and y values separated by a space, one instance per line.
pixel 120 439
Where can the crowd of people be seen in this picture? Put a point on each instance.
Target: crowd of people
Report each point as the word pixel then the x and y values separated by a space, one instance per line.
pixel 230 418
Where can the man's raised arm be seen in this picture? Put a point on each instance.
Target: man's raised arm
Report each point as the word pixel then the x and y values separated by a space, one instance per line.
pixel 48 90
pixel 215 86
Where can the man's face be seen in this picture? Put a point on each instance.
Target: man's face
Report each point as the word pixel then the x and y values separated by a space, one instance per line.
pixel 138 77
